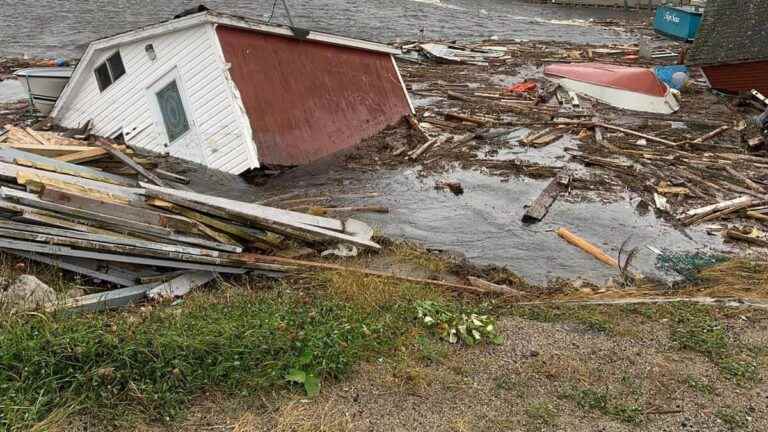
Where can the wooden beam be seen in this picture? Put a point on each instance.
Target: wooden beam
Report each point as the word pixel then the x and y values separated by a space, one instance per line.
pixel 637 134
pixel 145 216
pixel 181 285
pixel 587 247
pixel 37 137
pixel 117 154
pixel 29 246
pixel 49 150
pixel 83 156
pixel 540 207
pixel 102 270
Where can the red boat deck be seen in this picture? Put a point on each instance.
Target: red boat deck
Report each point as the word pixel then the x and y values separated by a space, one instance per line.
pixel 634 79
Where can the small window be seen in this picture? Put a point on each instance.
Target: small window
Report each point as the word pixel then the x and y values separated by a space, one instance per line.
pixel 172 109
pixel 110 71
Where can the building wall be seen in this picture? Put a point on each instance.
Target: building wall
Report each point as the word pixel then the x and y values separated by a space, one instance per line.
pixel 219 135
pixel 737 78
pixel 306 100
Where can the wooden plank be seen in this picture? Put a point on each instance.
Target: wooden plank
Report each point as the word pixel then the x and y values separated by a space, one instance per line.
pixel 637 134
pixel 117 240
pixel 117 154
pixel 539 208
pixel 34 201
pixel 84 156
pixel 172 176
pixel 96 269
pixel 11 171
pixel 267 239
pixel 714 133
pixel 54 165
pixel 36 137
pixel 36 182
pixel 106 300
pixel 150 217
pixel 181 285
pixel 29 246
pixel 48 150
pixel 245 208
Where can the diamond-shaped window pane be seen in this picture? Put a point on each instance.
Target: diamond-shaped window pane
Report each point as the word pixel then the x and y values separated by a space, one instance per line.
pixel 172 108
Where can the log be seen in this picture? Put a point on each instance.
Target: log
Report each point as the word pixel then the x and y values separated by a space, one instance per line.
pixel 752 185
pixel 637 134
pixel 714 133
pixel 734 235
pixel 587 247
pixel 336 267
pixel 718 206
pixel 539 208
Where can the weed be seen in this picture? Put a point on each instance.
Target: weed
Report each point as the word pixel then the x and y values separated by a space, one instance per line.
pixel 411 254
pixel 699 385
pixel 741 370
pixel 542 413
pixel 591 318
pixel 734 419
pixel 695 330
pixel 430 352
pixel 605 403
pixel 471 328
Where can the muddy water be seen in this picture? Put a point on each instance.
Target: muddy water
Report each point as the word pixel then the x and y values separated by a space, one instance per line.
pixel 62 28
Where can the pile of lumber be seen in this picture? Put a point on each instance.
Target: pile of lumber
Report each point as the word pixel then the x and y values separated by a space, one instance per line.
pixel 152 237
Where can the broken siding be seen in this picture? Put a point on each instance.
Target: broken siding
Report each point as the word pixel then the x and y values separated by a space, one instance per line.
pixel 216 138
pixel 307 99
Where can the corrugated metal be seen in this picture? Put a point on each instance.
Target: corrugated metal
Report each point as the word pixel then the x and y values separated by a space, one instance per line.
pixel 305 99
pixel 737 78
pixel 216 138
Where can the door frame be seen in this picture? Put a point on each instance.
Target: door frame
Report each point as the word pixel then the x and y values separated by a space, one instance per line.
pixel 157 115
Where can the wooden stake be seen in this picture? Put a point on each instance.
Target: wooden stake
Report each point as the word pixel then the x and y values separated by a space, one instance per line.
pixel 587 247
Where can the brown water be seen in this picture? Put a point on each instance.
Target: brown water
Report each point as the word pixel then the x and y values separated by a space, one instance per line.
pixel 63 27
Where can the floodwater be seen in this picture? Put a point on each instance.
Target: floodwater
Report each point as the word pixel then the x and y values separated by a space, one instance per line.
pixel 63 28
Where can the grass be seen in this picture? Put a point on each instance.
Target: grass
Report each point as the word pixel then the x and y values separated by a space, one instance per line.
pixel 738 277
pixel 605 402
pixel 734 419
pixel 591 318
pixel 150 363
pixel 541 414
pixel 409 253
pixel 699 385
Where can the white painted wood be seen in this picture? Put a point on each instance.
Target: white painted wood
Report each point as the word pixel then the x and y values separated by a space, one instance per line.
pixel 181 285
pixel 402 84
pixel 191 55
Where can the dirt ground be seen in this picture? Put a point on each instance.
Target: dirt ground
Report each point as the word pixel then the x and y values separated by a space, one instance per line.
pixel 545 377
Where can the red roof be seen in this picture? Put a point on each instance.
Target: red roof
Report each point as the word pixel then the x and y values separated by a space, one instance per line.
pixel 635 79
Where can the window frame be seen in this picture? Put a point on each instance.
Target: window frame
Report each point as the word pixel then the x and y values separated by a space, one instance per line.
pixel 106 63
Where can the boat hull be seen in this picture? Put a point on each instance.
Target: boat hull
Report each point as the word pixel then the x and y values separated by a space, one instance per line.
pixel 621 98
pixel 44 85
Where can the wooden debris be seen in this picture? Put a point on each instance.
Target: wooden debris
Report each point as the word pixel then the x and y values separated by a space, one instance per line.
pixel 587 247
pixel 735 235
pixel 637 134
pixel 83 156
pixel 117 154
pixel 494 288
pixel 713 134
pixel 539 208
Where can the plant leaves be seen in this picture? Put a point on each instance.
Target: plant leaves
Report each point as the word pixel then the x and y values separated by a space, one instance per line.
pixel 297 376
pixel 312 385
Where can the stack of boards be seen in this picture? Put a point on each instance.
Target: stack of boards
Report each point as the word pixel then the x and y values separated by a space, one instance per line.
pixel 153 239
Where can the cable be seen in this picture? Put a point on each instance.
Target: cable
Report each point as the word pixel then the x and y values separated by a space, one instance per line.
pixel 271 15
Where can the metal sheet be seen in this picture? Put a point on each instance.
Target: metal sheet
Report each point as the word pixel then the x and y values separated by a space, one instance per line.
pixel 306 100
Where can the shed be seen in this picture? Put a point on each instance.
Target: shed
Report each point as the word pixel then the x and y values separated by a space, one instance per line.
pixel 234 93
pixel 732 45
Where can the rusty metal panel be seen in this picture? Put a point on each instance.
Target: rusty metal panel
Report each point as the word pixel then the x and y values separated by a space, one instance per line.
pixel 306 100
pixel 737 78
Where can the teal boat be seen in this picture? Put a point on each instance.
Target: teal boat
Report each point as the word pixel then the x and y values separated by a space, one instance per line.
pixel 678 22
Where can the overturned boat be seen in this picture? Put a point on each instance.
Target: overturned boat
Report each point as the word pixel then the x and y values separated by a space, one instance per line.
pixel 44 85
pixel 630 88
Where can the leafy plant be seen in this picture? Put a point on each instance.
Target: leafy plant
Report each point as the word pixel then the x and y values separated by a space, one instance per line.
pixel 470 328
pixel 309 380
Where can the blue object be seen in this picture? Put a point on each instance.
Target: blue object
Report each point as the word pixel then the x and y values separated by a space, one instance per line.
pixel 666 74
pixel 61 62
pixel 678 22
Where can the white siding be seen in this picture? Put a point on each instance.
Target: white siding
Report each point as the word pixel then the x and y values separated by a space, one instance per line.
pixel 220 134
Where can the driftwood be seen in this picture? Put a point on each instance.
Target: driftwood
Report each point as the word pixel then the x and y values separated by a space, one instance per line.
pixel 587 247
pixel 635 133
pixel 713 134
pixel 539 208
pixel 734 235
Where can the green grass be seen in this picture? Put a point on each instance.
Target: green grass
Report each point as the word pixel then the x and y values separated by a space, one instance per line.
pixel 734 419
pixel 605 402
pixel 699 385
pixel 591 318
pixel 542 414
pixel 153 362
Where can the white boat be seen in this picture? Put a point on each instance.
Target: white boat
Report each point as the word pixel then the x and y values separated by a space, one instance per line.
pixel 631 88
pixel 44 85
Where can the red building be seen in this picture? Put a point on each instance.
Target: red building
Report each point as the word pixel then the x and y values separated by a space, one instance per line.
pixel 732 45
